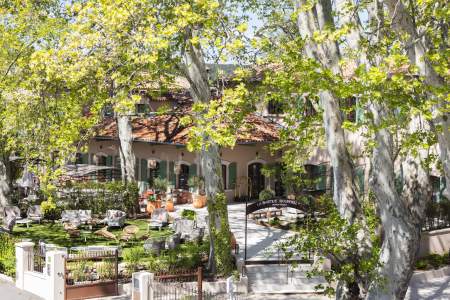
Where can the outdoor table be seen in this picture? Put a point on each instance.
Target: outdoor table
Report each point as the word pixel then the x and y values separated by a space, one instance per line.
pixel 84 234
pixel 24 221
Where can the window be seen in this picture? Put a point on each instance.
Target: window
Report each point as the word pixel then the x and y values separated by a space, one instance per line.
pixel 142 108
pixel 274 107
pixel 316 177
pixel 153 174
pixel 108 111
pixel 309 108
pixel 79 159
pixel 348 107
pixel 224 176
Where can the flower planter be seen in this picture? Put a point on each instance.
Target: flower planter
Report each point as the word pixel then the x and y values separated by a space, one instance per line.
pixel 199 201
pixel 169 206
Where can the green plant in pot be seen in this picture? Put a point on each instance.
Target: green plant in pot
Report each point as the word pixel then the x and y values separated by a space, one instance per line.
pixel 197 184
pixel 266 194
pixel 160 185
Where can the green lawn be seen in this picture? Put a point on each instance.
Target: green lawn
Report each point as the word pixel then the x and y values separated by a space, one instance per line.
pixel 187 255
pixel 54 233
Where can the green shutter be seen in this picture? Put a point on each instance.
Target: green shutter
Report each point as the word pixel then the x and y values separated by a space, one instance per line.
pixel 359 174
pixel 118 168
pixel 91 159
pixel 232 174
pixel 321 177
pixel 163 169
pixel 109 163
pixel 144 173
pixel 84 158
pixel 136 169
pixel 192 170
pixel 442 188
pixel 172 176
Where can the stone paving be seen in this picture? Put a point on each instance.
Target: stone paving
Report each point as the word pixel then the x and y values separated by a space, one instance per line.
pixel 8 291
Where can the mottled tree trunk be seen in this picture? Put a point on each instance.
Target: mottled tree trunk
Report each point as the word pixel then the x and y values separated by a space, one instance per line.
pixel 5 181
pixel 127 158
pixel 401 214
pixel 403 22
pixel 345 194
pixel 220 240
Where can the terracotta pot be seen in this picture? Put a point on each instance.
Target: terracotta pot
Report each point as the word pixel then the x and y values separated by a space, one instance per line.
pixel 150 207
pixel 158 203
pixel 169 206
pixel 233 241
pixel 198 201
pixel 204 200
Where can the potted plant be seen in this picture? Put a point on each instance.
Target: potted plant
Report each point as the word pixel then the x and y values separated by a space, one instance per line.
pixel 266 194
pixel 160 185
pixel 169 205
pixel 151 203
pixel 197 185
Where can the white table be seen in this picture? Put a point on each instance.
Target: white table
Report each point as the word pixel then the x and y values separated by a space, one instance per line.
pixel 24 221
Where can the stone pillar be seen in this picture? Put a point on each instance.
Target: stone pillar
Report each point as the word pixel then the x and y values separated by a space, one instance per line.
pixel 143 286
pixel 24 261
pixel 54 269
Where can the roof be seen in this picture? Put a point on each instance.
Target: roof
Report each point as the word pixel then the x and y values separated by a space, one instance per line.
pixel 166 129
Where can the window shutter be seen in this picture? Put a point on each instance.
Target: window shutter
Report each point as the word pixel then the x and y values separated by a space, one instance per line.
pixel 163 169
pixel 442 188
pixel 144 175
pixel 84 158
pixel 172 177
pixel 192 170
pixel 232 174
pixel 359 174
pixel 136 169
pixel 118 168
pixel 91 159
pixel 109 163
pixel 321 177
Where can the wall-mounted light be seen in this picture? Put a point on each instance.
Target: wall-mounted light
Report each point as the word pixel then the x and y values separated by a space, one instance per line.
pixel 151 163
pixel 182 153
pixel 257 154
pixel 153 151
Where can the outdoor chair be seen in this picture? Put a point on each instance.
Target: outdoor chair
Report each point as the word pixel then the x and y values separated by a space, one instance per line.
pixel 85 216
pixel 34 213
pixel 8 223
pixel 70 216
pixel 155 245
pixel 188 230
pixel 160 218
pixel 173 241
pixel 12 211
pixel 115 218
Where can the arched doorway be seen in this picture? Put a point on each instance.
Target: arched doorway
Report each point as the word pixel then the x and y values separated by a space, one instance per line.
pixel 183 177
pixel 256 180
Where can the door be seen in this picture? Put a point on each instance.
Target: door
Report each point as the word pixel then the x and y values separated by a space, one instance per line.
pixel 256 180
pixel 183 177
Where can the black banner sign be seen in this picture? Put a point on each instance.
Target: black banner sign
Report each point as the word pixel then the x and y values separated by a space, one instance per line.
pixel 277 203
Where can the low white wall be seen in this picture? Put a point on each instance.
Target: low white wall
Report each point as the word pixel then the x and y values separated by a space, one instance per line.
pixel 435 242
pixel 37 283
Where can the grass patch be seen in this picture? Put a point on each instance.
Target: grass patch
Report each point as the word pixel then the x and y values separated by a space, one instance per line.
pixel 54 233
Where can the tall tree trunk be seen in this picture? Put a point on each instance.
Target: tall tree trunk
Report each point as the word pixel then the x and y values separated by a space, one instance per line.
pixel 345 194
pixel 220 250
pixel 5 181
pixel 127 158
pixel 403 22
pixel 401 215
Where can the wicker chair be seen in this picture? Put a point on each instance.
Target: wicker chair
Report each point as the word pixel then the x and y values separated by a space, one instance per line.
pixel 115 218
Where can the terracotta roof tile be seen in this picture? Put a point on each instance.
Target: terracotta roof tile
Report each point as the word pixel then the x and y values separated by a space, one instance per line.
pixel 167 129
